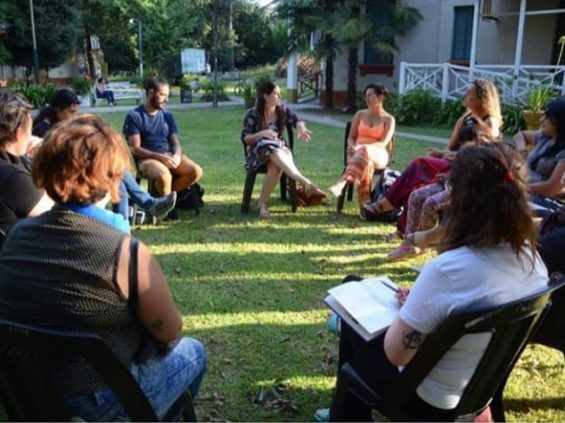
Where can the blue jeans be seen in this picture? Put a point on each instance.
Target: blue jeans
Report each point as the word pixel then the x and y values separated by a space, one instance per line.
pixel 162 379
pixel 108 95
pixel 547 202
pixel 130 189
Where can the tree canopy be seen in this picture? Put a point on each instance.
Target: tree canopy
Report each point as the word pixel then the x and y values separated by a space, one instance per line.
pixel 167 26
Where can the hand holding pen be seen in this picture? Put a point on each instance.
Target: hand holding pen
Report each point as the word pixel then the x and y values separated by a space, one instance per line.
pixel 402 294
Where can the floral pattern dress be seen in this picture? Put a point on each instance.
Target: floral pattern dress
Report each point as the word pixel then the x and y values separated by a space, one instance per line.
pixel 257 153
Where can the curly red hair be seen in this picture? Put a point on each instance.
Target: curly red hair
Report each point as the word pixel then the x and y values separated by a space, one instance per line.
pixel 80 161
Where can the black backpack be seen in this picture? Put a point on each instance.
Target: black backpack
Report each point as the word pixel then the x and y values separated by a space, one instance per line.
pixel 191 199
pixel 385 181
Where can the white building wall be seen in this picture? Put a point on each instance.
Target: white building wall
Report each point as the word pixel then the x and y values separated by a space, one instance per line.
pixel 430 41
pixel 496 42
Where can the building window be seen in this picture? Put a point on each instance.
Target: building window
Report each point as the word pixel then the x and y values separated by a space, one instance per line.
pixel 381 14
pixel 462 33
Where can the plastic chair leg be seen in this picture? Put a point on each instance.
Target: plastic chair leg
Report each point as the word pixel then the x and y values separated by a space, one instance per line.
pixel 248 191
pixel 349 191
pixel 292 195
pixel 283 184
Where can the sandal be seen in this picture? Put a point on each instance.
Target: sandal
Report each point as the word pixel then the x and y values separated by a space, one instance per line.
pixel 404 251
pixel 369 211
pixel 383 205
pixel 312 190
pixel 264 212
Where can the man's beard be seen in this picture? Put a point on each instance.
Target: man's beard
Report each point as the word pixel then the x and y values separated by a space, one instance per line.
pixel 155 104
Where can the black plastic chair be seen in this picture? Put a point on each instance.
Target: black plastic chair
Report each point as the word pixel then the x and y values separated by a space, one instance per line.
pixel 348 189
pixel 512 325
pixel 26 381
pixel 285 182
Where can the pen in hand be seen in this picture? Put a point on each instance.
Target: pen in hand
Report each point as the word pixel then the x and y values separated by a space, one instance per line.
pixel 389 286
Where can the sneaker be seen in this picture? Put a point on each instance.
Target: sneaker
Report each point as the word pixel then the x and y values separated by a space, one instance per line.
pixel 173 216
pixel 333 324
pixel 322 415
pixel 163 205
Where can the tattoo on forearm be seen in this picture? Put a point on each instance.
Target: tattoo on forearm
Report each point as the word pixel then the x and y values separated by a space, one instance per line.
pixel 412 340
pixel 157 325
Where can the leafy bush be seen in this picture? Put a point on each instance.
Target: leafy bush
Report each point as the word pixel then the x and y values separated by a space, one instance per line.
pixel 512 119
pixel 37 94
pixel 391 104
pixel 448 113
pixel 81 85
pixel 417 107
pixel 207 86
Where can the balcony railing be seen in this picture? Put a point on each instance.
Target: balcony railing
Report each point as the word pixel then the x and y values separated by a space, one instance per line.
pixel 449 81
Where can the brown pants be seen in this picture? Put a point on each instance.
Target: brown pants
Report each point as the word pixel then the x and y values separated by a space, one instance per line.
pixel 166 180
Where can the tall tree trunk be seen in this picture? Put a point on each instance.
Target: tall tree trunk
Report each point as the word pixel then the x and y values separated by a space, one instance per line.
pixel 329 77
pixel 352 62
pixel 89 53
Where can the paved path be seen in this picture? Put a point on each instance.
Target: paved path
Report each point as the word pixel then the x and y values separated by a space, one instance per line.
pixel 309 117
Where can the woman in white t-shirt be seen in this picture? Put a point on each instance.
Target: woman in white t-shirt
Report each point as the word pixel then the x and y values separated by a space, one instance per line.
pixel 488 257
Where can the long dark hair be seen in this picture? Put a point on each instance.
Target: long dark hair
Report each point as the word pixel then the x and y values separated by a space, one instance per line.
pixel 488 204
pixel 63 98
pixel 555 111
pixel 267 87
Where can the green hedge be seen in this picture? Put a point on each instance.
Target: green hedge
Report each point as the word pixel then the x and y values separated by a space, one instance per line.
pixel 420 107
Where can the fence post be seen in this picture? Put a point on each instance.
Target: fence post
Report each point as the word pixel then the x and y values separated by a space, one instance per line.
pixel 402 77
pixel 445 82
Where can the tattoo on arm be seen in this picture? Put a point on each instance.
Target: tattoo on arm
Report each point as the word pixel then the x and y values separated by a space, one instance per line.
pixel 157 325
pixel 412 340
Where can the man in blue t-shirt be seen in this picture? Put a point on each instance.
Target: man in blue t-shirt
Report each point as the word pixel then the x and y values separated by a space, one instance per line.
pixel 153 136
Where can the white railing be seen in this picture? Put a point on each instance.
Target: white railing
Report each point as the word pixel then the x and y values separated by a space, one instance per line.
pixel 449 81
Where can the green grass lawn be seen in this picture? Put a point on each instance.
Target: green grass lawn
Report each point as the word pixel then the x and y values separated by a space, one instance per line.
pixel 252 290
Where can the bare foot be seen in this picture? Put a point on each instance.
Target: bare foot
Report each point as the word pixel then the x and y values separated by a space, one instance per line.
pixel 336 189
pixel 264 212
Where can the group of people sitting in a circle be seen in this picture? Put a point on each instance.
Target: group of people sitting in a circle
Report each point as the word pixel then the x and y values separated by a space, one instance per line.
pixel 472 199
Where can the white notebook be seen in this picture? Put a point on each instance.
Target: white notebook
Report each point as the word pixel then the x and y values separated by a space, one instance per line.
pixel 368 306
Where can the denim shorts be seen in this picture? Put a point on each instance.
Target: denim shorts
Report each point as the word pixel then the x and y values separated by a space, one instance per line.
pixel 162 379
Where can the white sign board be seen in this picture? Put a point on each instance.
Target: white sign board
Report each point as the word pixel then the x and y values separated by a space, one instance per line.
pixel 193 60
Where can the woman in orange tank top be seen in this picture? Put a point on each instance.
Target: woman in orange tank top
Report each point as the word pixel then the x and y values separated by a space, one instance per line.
pixel 371 130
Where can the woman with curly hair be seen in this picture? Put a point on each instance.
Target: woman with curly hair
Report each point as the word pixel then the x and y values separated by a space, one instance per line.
pixel 482 112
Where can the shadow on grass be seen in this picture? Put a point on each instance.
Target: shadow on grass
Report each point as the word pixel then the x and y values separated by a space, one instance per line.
pixel 302 356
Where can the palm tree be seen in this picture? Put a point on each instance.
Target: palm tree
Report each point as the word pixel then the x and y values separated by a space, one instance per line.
pixel 306 17
pixel 343 23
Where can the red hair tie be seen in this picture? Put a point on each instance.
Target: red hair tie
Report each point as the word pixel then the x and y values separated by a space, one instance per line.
pixel 509 177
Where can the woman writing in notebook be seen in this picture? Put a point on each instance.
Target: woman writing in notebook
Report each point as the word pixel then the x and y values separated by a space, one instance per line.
pixel 488 229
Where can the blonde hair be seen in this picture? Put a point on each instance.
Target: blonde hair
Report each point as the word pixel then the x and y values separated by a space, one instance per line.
pixel 80 161
pixel 487 93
